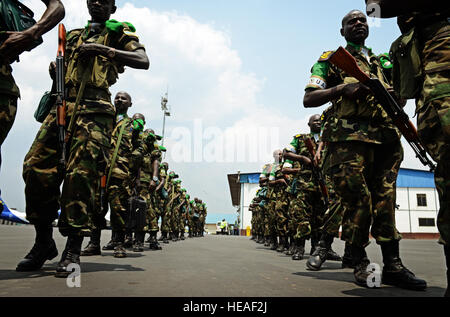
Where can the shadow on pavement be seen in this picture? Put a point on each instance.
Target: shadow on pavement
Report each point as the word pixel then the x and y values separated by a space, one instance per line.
pixel 329 276
pixel 49 270
pixel 388 291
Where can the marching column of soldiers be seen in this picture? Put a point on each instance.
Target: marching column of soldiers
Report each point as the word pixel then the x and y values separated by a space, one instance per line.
pixel 89 145
pixel 343 173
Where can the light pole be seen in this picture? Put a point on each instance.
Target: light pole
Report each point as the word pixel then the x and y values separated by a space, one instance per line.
pixel 166 113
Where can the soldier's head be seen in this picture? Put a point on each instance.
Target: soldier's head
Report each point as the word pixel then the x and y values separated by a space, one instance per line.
pixel 278 155
pixel 166 165
pixel 138 121
pixel 196 199
pixel 122 101
pixel 315 123
pixel 101 10
pixel 355 28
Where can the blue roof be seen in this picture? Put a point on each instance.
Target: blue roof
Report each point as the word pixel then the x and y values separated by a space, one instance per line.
pixel 249 178
pixel 214 218
pixel 415 178
pixel 406 178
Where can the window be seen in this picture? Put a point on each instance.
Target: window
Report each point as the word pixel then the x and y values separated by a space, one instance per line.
pixel 427 222
pixel 421 200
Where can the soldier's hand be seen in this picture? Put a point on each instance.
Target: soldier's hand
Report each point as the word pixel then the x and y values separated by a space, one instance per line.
pixel 152 186
pixel 86 51
pixel 355 91
pixel 15 44
pixel 307 160
pixel 52 70
pixel 317 158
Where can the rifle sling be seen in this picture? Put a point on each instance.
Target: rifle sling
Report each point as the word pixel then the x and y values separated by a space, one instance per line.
pixel 116 150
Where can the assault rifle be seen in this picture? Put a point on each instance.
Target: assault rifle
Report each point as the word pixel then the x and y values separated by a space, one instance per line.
pixel 345 61
pixel 317 173
pixel 61 96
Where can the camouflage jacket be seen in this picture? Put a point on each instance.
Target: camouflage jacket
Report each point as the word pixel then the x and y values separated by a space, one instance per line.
pixel 362 120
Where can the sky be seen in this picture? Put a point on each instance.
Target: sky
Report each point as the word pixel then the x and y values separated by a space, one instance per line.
pixel 235 73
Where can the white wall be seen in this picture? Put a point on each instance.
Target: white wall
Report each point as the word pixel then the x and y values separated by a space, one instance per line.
pixel 407 216
pixel 248 192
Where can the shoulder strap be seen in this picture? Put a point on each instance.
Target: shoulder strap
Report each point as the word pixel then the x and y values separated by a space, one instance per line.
pixel 116 150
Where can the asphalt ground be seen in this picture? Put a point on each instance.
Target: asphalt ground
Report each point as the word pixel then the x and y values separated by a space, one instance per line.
pixel 212 266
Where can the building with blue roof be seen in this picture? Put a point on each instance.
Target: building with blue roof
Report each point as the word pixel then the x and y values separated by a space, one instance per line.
pixel 417 200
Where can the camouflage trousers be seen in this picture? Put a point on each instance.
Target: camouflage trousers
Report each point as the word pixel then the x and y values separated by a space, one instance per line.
pixel 86 163
pixel 272 216
pixel 174 219
pixel 333 216
pixel 161 203
pixel 433 121
pixel 8 110
pixel 305 213
pixel 119 194
pixel 282 214
pixel 364 177
pixel 266 218
pixel 152 214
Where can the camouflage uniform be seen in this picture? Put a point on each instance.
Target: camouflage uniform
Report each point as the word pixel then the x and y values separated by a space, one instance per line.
pixel 90 143
pixel 268 193
pixel 333 216
pixel 433 111
pixel 307 205
pixel 122 176
pixel 9 92
pixel 280 203
pixel 150 153
pixel 365 153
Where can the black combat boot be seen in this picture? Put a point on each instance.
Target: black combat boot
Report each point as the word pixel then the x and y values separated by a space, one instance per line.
pixel 361 262
pixel 110 245
pixel 394 272
pixel 175 236
pixel 119 249
pixel 266 241
pixel 128 243
pixel 273 243
pixel 260 239
pixel 44 249
pixel 333 256
pixel 292 247
pixel 154 245
pixel 138 245
pixel 182 235
pixel 320 254
pixel 93 247
pixel 281 244
pixel 164 235
pixel 347 260
pixel 170 237
pixel 314 242
pixel 447 261
pixel 71 255
pixel 299 249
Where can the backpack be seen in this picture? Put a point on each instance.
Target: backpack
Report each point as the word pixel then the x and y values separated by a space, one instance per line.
pixel 15 16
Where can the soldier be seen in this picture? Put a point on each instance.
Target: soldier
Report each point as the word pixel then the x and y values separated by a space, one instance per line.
pixel 202 218
pixel 333 216
pixel 309 204
pixel 365 156
pixel 427 23
pixel 122 174
pixel 122 102
pixel 162 195
pixel 263 183
pixel 103 46
pixel 14 43
pixel 280 202
pixel 148 181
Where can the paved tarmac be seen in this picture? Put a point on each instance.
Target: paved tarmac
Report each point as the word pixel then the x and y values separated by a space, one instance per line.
pixel 213 266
